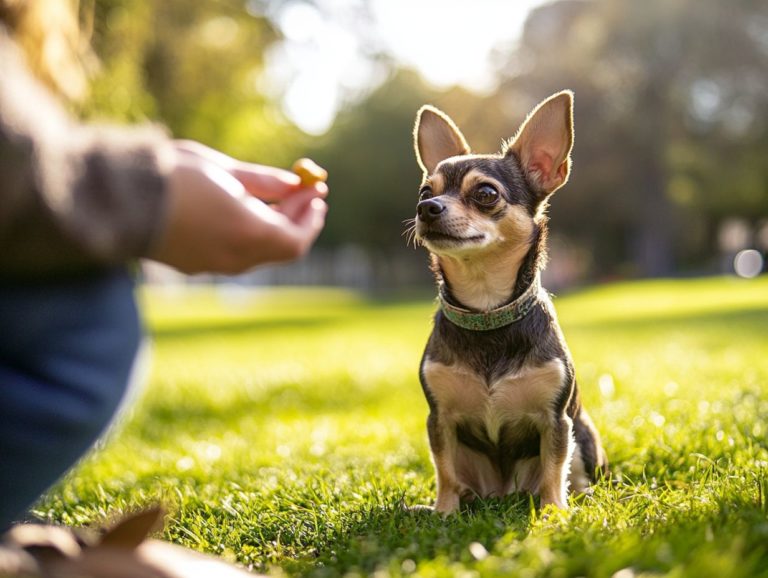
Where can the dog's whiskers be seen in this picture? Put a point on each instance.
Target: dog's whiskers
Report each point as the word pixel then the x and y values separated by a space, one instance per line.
pixel 410 232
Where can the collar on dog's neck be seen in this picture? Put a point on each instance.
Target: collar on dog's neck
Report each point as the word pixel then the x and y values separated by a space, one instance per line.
pixel 494 318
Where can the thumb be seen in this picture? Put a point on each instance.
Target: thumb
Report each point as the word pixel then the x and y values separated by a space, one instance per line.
pixel 308 221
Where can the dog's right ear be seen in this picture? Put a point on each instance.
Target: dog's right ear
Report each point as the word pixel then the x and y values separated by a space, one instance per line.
pixel 544 142
pixel 436 137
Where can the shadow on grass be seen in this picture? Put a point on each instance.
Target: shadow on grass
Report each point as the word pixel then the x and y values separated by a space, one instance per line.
pixel 373 538
pixel 395 539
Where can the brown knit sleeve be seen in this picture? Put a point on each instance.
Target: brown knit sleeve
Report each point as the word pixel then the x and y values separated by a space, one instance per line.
pixel 72 196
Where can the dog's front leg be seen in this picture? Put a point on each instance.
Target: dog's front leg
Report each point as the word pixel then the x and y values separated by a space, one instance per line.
pixel 442 441
pixel 556 453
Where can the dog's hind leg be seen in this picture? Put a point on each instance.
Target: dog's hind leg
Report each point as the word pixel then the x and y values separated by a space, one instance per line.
pixel 557 446
pixel 588 440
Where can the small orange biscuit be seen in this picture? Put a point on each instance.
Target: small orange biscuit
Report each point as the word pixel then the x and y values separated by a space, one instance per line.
pixel 309 172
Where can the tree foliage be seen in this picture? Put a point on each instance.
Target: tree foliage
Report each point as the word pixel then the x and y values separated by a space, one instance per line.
pixel 671 130
pixel 195 67
pixel 671 125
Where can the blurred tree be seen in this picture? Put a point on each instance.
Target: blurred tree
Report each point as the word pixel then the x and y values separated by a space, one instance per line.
pixel 374 176
pixel 670 121
pixel 193 66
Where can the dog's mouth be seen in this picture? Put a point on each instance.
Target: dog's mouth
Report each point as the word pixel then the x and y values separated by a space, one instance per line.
pixel 440 236
pixel 441 240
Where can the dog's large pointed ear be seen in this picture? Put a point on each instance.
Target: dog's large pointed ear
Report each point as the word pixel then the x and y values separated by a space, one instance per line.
pixel 436 137
pixel 544 142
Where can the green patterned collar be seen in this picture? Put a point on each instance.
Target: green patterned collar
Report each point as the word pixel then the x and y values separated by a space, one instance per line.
pixel 495 318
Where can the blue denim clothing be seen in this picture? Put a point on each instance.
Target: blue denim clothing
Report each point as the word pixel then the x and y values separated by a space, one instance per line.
pixel 67 349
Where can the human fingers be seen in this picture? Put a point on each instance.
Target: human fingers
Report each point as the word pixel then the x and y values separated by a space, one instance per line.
pixel 295 205
pixel 290 237
pixel 308 224
pixel 261 181
pixel 270 184
pixel 312 220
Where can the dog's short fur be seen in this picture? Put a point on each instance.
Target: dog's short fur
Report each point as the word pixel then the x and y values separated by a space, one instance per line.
pixel 505 414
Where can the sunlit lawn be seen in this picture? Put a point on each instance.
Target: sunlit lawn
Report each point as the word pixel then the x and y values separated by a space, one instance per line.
pixel 285 430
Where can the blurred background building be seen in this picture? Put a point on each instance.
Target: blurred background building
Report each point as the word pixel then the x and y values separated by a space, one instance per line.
pixel 671 155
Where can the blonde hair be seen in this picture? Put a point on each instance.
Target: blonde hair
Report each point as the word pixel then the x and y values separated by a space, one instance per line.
pixel 49 33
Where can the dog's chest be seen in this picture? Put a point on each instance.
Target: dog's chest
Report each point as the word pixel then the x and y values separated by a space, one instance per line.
pixel 463 395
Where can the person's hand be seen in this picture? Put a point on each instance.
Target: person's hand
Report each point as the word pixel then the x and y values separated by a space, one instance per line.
pixel 219 220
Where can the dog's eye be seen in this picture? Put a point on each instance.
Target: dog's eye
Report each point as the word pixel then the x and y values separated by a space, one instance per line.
pixel 485 195
pixel 425 193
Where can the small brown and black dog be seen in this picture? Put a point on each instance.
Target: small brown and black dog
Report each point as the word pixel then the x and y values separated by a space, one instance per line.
pixel 505 414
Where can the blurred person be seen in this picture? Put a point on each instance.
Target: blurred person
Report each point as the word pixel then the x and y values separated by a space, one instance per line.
pixel 78 204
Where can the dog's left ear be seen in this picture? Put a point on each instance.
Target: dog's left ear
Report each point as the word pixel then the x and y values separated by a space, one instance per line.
pixel 436 138
pixel 544 142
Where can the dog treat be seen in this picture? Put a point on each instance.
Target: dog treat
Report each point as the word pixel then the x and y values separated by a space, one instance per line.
pixel 310 172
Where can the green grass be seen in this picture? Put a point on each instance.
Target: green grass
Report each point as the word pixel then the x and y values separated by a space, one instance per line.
pixel 285 430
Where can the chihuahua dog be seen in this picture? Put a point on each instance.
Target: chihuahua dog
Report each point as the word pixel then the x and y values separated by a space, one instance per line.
pixel 505 414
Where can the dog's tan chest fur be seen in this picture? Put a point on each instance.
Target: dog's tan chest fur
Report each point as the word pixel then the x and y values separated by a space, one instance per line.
pixel 464 395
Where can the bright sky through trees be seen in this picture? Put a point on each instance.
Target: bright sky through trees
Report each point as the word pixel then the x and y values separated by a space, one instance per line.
pixel 330 50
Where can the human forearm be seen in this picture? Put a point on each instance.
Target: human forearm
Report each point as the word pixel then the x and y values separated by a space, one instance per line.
pixel 71 196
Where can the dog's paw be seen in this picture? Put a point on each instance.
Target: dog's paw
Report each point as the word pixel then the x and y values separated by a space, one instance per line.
pixel 448 501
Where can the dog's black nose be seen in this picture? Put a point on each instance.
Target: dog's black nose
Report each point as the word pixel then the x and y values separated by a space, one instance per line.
pixel 429 210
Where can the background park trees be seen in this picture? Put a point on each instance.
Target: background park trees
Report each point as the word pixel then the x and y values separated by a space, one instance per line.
pixel 671 123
